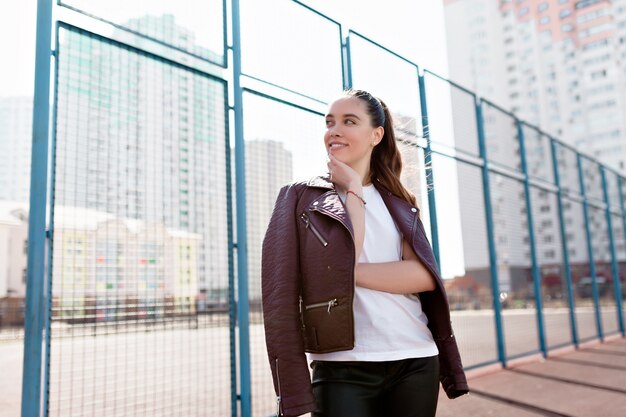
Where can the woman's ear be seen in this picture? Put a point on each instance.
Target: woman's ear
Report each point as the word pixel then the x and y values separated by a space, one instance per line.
pixel 378 134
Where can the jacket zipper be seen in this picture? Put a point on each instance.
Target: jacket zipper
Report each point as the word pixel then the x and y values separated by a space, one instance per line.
pixel 310 226
pixel 279 398
pixel 353 259
pixel 330 304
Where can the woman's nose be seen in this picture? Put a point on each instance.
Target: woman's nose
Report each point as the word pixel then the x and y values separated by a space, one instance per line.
pixel 334 130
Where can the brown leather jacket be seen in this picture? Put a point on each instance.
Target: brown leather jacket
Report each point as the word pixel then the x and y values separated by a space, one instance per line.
pixel 308 288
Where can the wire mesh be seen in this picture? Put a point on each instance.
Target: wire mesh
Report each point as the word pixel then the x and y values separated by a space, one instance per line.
pixel 451 115
pixel 550 260
pixel 538 154
pixel 604 275
pixel 592 181
pixel 309 40
pixel 283 144
pixel 399 88
pixel 501 139
pixel 514 265
pixel 579 263
pixel 196 26
pixel 142 256
pixel 140 246
pixel 567 166
pixel 465 257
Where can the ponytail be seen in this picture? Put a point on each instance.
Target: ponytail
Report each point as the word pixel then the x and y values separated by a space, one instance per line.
pixel 386 162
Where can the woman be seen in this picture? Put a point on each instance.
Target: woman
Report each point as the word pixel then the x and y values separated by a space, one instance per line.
pixel 349 277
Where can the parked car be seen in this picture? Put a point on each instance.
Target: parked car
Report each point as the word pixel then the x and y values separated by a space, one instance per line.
pixel 584 287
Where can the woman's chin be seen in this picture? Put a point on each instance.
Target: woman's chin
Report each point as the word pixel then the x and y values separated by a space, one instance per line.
pixel 339 155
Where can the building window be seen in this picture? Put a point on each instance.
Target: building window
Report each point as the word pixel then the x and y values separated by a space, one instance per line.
pixel 565 13
pixel 542 6
pixel 523 11
pixel 567 27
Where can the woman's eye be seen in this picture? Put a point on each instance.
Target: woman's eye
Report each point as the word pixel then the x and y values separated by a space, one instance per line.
pixel 329 122
pixel 350 121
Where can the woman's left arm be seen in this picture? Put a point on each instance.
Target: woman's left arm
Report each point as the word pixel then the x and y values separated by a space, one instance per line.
pixel 407 276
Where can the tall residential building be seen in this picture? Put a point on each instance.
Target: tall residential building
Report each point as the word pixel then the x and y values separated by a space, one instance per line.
pixel 555 64
pixel 16 118
pixel 269 166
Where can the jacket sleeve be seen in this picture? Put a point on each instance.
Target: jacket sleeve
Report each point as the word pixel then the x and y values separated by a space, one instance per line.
pixel 280 287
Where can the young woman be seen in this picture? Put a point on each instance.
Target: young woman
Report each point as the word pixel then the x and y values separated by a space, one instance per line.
pixel 349 277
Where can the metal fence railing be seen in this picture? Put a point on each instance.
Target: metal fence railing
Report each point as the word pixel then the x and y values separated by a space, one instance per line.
pixel 173 128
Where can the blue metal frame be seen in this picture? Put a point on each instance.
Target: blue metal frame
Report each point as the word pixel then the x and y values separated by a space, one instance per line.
pixel 536 273
pixel 384 48
pixel 592 264
pixel 232 313
pixel 242 234
pixel 34 314
pixel 37 235
pixel 620 186
pixel 614 267
pixel 347 67
pixel 566 264
pixel 48 322
pixel 428 164
pixel 493 259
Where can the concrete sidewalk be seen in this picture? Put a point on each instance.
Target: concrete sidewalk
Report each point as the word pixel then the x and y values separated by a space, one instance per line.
pixel 589 382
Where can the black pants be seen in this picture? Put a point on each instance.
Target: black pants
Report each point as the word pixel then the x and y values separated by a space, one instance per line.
pixel 403 388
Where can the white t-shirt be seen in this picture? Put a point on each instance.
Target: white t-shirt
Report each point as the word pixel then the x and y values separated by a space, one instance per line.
pixel 387 326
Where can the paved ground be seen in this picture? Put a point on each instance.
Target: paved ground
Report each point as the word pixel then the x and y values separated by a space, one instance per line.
pixel 590 382
pixel 186 371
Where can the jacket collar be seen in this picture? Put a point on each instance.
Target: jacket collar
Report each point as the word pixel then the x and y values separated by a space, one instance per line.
pixel 321 182
pixel 329 203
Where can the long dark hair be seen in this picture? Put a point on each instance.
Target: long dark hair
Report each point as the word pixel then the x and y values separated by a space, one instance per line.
pixel 386 162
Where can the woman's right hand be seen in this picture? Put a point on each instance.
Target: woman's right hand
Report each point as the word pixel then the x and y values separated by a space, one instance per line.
pixel 343 176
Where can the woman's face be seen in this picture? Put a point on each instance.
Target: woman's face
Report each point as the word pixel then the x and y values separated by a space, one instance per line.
pixel 349 135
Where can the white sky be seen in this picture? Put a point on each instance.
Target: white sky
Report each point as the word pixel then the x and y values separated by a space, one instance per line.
pixel 412 28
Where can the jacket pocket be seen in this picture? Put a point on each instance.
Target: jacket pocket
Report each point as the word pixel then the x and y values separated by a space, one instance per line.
pixel 310 226
pixel 327 326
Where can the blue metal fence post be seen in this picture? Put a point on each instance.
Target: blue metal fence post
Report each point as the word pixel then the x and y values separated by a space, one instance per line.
pixel 347 64
pixel 531 234
pixel 428 168
pixel 614 268
pixel 493 260
pixel 592 264
pixel 566 264
pixel 623 216
pixel 242 235
pixel 34 314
